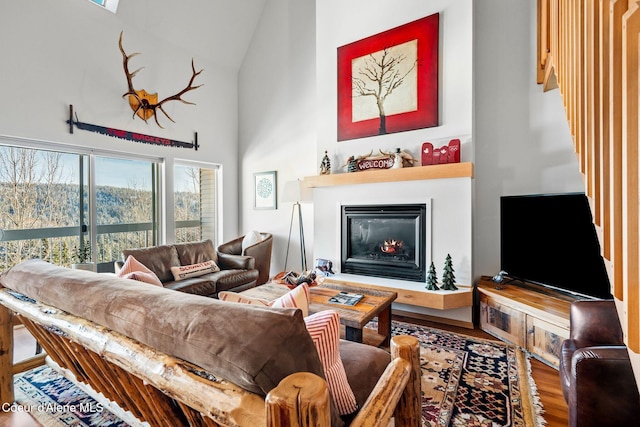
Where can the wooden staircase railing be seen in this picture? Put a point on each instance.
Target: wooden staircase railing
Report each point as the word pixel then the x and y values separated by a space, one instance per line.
pixel 589 50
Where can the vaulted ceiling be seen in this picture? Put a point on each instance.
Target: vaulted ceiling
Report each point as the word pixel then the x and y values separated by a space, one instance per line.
pixel 219 30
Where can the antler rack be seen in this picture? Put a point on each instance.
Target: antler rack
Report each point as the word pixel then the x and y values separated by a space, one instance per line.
pixel 144 104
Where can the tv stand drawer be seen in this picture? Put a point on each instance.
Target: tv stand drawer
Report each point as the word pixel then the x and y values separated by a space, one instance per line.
pixel 502 321
pixel 524 317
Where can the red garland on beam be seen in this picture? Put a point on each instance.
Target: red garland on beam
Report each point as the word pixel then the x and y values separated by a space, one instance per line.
pixel 129 136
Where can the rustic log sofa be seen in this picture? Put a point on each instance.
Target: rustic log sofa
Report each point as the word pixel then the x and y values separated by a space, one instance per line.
pixel 237 272
pixel 172 358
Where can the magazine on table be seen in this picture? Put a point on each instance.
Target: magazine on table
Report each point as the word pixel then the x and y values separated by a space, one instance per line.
pixel 346 298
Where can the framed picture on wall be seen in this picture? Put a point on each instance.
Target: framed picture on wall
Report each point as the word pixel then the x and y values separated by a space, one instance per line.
pixel 388 82
pixel 265 190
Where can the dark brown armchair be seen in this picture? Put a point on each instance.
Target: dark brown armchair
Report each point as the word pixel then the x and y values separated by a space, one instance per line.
pixel 260 251
pixel 595 371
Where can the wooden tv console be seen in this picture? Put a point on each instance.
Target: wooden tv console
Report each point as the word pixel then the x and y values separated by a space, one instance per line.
pixel 531 317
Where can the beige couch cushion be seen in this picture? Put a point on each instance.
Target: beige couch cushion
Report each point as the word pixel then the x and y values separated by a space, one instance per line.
pixel 252 347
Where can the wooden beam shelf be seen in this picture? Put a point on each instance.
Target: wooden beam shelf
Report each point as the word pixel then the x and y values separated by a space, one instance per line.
pixel 449 170
pixel 440 300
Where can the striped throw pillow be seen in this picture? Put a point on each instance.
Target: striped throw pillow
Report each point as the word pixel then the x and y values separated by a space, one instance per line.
pixel 236 297
pixel 324 328
pixel 295 298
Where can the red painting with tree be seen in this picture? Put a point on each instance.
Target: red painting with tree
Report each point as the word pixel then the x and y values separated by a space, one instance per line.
pixel 388 82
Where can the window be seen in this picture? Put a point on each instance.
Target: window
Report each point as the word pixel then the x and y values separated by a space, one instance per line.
pixel 126 206
pixel 54 202
pixel 195 210
pixel 110 5
pixel 40 208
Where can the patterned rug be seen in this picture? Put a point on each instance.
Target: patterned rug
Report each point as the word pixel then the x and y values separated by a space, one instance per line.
pixel 55 401
pixel 469 381
pixel 466 382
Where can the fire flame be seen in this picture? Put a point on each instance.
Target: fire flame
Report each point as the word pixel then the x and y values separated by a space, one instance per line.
pixel 391 246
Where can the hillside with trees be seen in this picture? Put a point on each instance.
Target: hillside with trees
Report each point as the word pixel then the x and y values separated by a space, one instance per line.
pixel 40 209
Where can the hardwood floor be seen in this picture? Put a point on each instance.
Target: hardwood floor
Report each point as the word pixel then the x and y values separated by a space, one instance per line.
pixel 545 377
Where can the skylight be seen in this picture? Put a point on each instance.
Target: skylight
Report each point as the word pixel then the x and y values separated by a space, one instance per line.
pixel 110 5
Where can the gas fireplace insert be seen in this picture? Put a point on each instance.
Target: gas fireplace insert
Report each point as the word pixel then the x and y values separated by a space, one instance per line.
pixel 384 241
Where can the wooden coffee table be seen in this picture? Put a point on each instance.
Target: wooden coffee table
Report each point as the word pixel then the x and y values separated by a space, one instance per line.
pixel 354 318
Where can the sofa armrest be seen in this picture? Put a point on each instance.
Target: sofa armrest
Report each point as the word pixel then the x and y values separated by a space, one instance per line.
pixel 235 262
pixel 596 322
pixel 604 391
pixel 233 247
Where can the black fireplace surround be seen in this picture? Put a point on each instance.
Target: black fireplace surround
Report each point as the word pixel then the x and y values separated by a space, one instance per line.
pixel 384 241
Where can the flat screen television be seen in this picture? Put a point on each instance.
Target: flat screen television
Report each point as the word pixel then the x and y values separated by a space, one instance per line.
pixel 550 240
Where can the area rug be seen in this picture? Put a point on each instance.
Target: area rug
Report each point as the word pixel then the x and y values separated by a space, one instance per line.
pixel 55 401
pixel 468 381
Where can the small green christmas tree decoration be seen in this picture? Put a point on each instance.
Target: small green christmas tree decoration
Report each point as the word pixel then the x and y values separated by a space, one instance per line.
pixel 432 279
pixel 447 276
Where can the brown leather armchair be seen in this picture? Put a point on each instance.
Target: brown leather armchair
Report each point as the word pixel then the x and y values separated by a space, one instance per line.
pixel 260 251
pixel 595 371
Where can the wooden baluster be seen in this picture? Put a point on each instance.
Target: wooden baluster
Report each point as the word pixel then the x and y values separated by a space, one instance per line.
pixel 618 8
pixel 603 63
pixel 630 188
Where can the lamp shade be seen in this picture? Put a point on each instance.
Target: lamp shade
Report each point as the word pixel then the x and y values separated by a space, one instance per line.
pixel 296 191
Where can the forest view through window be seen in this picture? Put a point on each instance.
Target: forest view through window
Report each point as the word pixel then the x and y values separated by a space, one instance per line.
pixel 49 210
pixel 195 202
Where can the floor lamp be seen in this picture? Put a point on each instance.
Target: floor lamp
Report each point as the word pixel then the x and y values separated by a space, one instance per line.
pixel 294 192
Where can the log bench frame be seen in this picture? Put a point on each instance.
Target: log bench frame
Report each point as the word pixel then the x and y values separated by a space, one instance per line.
pixel 166 391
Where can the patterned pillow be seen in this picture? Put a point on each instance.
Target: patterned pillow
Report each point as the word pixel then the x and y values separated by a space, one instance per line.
pixel 194 270
pixel 298 297
pixel 324 328
pixel 134 269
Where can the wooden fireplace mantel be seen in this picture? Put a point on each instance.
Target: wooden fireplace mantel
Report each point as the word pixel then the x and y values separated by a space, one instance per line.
pixel 418 173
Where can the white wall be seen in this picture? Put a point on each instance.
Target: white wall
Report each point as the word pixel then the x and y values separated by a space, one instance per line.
pixel 516 135
pixel 278 123
pixel 340 23
pixel 521 136
pixel 60 53
pixel 279 112
pixel 450 201
pixel 288 113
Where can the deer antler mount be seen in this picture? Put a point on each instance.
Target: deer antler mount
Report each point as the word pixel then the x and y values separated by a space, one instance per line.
pixel 144 104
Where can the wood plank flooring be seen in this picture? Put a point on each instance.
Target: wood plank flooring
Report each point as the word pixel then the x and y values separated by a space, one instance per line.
pixel 545 377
